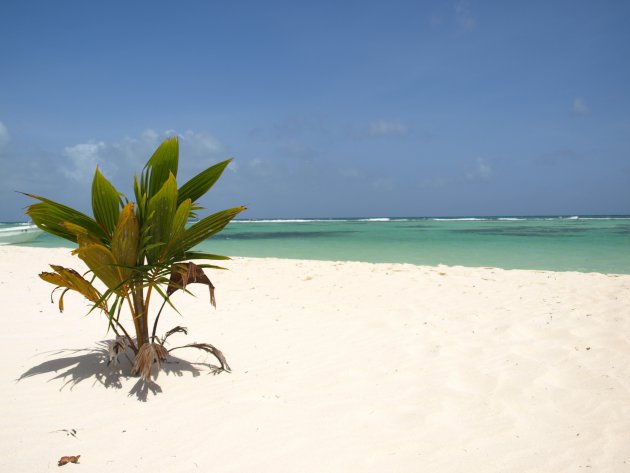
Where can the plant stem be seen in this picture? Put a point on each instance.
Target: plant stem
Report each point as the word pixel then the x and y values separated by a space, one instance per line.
pixel 133 315
pixel 112 321
pixel 140 316
pixel 155 323
pixel 145 324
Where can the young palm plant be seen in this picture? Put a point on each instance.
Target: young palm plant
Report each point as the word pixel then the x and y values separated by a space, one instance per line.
pixel 139 251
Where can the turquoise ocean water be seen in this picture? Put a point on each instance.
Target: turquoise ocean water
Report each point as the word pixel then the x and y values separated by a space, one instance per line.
pixel 584 243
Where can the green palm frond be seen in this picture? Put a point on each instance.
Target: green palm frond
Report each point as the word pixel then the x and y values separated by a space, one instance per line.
pixel 50 217
pixel 202 182
pixel 201 255
pixel 203 229
pixel 106 202
pixel 101 262
pixel 180 219
pixel 161 210
pixel 157 170
pixel 125 241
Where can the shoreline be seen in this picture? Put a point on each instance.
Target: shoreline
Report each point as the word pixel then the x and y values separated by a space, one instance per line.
pixel 562 245
pixel 273 258
pixel 336 366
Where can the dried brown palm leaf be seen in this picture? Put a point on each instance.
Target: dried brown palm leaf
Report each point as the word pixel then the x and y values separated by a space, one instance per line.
pixel 178 329
pixel 188 273
pixel 210 349
pixel 68 459
pixel 116 347
pixel 148 355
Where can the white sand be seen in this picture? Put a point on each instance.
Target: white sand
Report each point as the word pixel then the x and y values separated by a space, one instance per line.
pixel 337 367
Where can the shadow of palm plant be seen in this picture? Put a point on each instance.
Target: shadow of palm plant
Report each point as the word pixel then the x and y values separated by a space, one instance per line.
pixel 75 366
pixel 140 251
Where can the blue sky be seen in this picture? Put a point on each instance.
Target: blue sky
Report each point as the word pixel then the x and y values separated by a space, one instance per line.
pixel 330 109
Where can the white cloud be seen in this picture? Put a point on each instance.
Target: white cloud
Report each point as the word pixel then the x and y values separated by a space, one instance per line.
pixel 200 148
pixel 579 106
pixel 82 160
pixel 202 141
pixel 150 135
pixel 463 15
pixel 387 127
pixel 259 167
pixel 4 136
pixel 481 171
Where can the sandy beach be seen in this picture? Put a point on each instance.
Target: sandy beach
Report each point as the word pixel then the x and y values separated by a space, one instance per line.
pixel 336 367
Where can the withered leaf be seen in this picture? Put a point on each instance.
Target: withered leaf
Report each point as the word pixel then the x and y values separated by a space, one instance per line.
pixel 149 354
pixel 209 349
pixel 188 273
pixel 68 459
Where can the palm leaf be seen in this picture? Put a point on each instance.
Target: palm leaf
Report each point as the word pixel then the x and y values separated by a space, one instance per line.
pixel 202 182
pixel 125 241
pixel 102 263
pixel 188 273
pixel 106 202
pixel 203 229
pixel 174 330
pixel 50 216
pixel 201 255
pixel 157 170
pixel 210 349
pixel 148 355
pixel 181 218
pixel 141 200
pixel 161 210
pixel 70 279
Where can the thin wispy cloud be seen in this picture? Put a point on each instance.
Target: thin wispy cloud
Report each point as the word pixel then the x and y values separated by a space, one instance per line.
pixel 259 167
pixel 352 173
pixel 435 20
pixel 480 171
pixel 463 16
pixel 387 128
pixel 202 141
pixel 296 149
pixel 579 106
pixel 477 171
pixel 434 183
pixel 384 184
pixel 559 157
